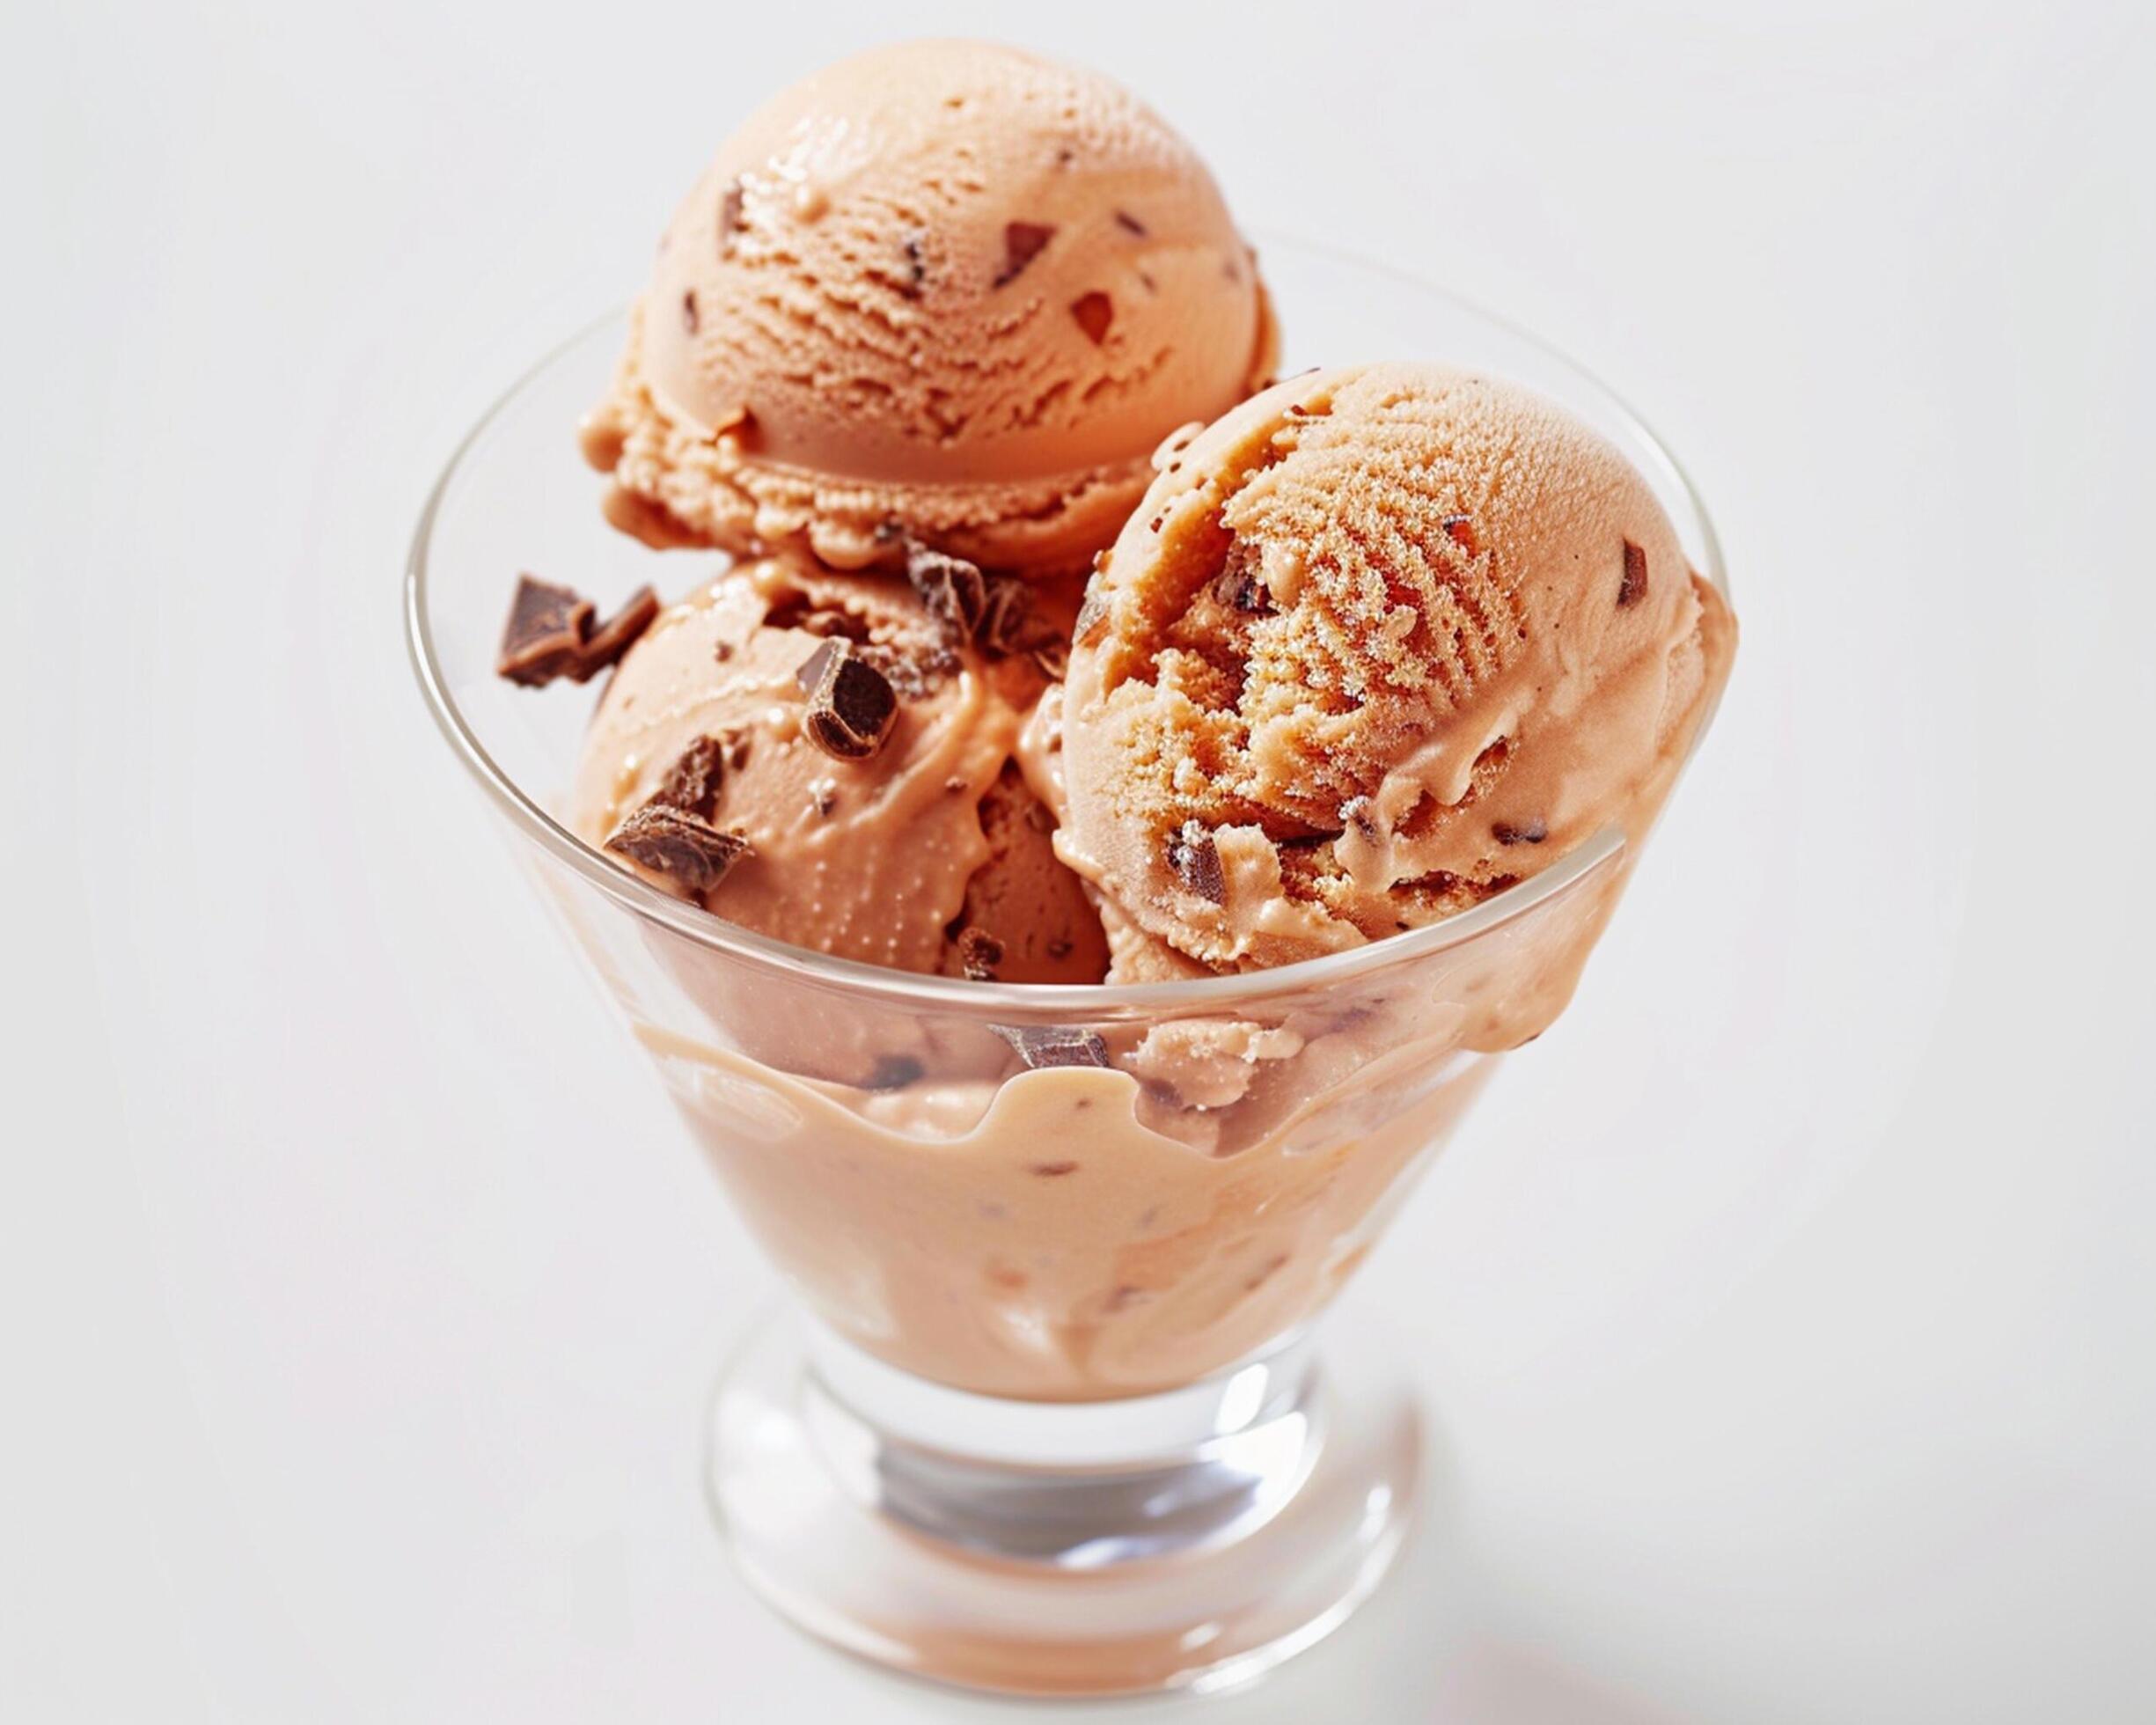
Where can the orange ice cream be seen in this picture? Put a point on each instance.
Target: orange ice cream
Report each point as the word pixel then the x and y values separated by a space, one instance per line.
pixel 945 291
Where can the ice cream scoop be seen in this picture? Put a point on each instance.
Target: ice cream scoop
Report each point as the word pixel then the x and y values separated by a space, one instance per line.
pixel 815 756
pixel 944 289
pixel 1377 644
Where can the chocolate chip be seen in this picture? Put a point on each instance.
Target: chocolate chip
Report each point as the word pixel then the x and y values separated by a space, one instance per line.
pixel 1130 224
pixel 729 219
pixel 689 320
pixel 852 706
pixel 1527 833
pixel 678 843
pixel 954 591
pixel 1042 1045
pixel 692 783
pixel 1094 312
pixel 894 1072
pixel 979 952
pixel 545 632
pixel 1460 530
pixel 916 264
pixel 1633 585
pixel 1021 244
pixel 1239 582
pixel 1196 859
pixel 617 635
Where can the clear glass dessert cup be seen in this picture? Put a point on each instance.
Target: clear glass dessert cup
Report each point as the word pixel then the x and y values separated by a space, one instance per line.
pixel 1048 1413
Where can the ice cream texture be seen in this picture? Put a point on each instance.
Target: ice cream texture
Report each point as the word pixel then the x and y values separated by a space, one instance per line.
pixel 930 853
pixel 943 290
pixel 1377 644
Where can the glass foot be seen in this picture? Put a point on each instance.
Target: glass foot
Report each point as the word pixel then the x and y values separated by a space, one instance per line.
pixel 1189 1540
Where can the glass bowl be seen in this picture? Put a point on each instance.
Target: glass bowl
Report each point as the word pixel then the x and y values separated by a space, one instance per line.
pixel 1047 1413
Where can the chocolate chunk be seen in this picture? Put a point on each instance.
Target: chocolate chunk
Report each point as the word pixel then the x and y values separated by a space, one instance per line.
pixel 954 591
pixel 1094 312
pixel 678 843
pixel 1527 833
pixel 545 632
pixel 1130 224
pixel 916 264
pixel 852 706
pixel 894 1072
pixel 689 319
pixel 1460 530
pixel 979 952
pixel 692 783
pixel 617 635
pixel 1239 584
pixel 1196 860
pixel 1021 244
pixel 1092 617
pixel 1042 1045
pixel 729 219
pixel 1007 616
pixel 1633 585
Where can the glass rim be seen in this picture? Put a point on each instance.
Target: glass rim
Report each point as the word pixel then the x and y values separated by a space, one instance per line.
pixel 1003 1001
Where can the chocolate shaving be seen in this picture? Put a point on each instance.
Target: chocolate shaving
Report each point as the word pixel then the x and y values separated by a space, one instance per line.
pixel 729 219
pixel 545 630
pixel 1022 243
pixel 1196 859
pixel 1130 224
pixel 1633 585
pixel 954 591
pixel 1460 530
pixel 1042 1045
pixel 979 952
pixel 1531 832
pixel 675 842
pixel 1095 312
pixel 693 782
pixel 852 706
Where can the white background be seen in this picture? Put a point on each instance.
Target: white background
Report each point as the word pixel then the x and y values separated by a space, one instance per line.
pixel 1785 1313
